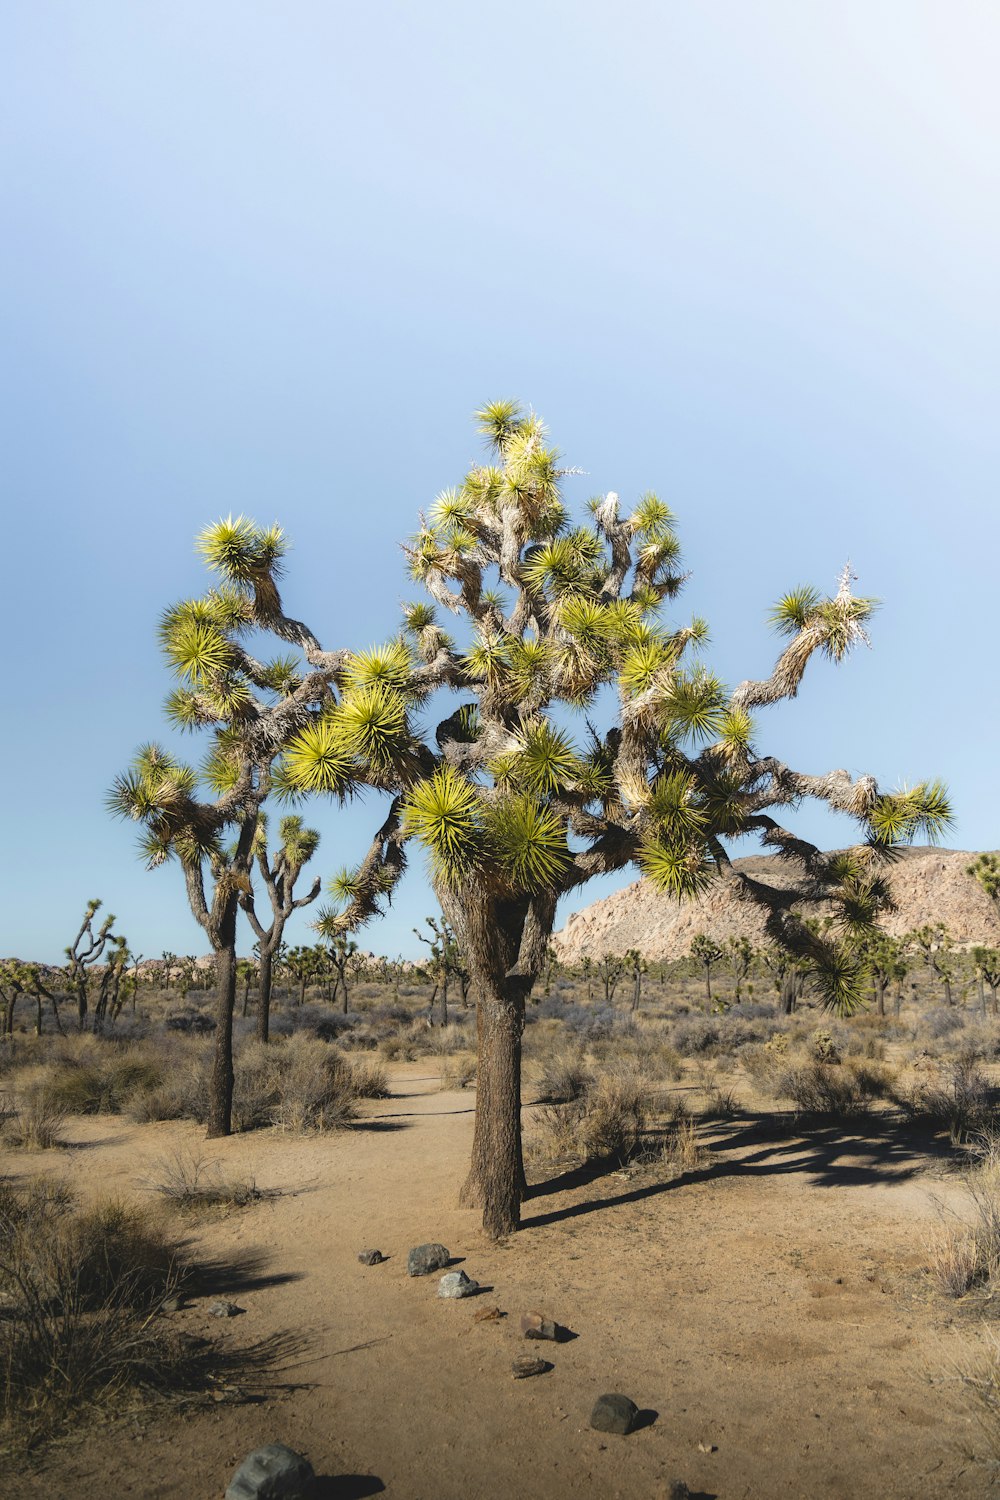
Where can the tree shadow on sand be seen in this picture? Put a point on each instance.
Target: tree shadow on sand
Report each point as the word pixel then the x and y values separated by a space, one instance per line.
pixel 827 1153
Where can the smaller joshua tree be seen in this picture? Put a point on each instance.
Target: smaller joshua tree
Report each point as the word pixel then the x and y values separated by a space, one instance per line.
pixel 84 952
pixel 298 845
pixel 708 953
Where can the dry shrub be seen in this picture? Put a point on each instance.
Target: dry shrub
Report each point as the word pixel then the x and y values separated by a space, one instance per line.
pixel 33 1124
pixel 458 1072
pixel 564 1078
pixel 604 1124
pixel 967 1258
pixel 81 1291
pixel 682 1151
pixel 189 1181
pixel 961 1101
pixel 369 1079
pixel 300 1084
pixel 613 1117
pixel 105 1086
pixel 840 1090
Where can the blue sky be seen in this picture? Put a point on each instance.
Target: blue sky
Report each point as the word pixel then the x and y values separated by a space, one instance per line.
pixel 268 258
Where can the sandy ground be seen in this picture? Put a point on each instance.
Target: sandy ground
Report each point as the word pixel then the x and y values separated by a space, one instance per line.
pixel 770 1313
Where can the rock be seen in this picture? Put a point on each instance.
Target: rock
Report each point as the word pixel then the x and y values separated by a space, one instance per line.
pixel 457 1284
pixel 614 1413
pixel 371 1257
pixel 676 1490
pixel 535 1325
pixel 224 1310
pixel 526 1364
pixel 272 1473
pixel 424 1259
pixel 171 1304
pixel 488 1315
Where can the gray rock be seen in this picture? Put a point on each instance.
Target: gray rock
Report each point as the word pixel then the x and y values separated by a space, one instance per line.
pixel 370 1257
pixel 224 1310
pixel 526 1364
pixel 171 1304
pixel 614 1413
pixel 677 1490
pixel 457 1284
pixel 272 1473
pixel 424 1259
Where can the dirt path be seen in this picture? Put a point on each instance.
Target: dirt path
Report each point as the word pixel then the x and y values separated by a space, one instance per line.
pixel 772 1312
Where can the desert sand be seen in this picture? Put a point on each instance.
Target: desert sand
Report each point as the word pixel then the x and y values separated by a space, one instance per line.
pixel 770 1313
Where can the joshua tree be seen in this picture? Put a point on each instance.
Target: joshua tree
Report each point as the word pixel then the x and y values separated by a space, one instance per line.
pixel 884 956
pixel 342 954
pixel 512 813
pixel 304 964
pixel 610 969
pixel 985 870
pixel 109 996
pixel 250 708
pixel 445 961
pixel 933 944
pixel 987 962
pixel 587 973
pixel 298 845
pixel 635 965
pixel 83 953
pixel 739 955
pixel 708 953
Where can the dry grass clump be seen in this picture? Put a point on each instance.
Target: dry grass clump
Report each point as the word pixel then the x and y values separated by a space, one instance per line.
pixel 105 1086
pixel 458 1072
pixel 80 1289
pixel 604 1124
pixel 187 1180
pixel 81 1293
pixel 682 1151
pixel 961 1100
pixel 966 1258
pixel 32 1124
pixel 814 1087
pixel 299 1084
pixel 565 1077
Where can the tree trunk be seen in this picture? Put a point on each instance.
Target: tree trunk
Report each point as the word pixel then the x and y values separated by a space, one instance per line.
pixel 947 989
pixel 343 985
pixel 708 985
pixel 264 1004
pixel 637 991
pixel 444 998
pixel 496 1177
pixel 879 994
pixel 220 1108
pixel 786 999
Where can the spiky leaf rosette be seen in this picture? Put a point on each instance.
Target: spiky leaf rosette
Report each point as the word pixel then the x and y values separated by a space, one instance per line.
pixel 445 814
pixel 527 844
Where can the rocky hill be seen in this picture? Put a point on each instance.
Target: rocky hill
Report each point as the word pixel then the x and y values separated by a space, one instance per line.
pixel 928 885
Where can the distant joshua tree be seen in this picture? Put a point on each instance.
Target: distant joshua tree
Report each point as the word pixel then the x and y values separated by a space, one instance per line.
pixel 511 811
pixel 298 845
pixel 706 951
pixel 83 953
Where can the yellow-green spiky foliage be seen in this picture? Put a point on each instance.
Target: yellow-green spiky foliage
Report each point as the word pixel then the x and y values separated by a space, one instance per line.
pixel 556 611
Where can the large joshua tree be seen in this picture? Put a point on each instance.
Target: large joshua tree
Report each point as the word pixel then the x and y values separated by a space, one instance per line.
pixel 512 811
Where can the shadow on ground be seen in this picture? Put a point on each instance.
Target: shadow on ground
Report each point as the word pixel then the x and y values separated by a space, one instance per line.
pixel 824 1152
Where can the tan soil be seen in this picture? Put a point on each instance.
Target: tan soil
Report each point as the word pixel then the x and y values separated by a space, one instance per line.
pixel 773 1307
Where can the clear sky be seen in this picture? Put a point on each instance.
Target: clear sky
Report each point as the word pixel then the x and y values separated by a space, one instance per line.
pixel 269 258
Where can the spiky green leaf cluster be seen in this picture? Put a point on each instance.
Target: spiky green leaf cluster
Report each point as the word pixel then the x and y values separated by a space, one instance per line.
pixel 899 817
